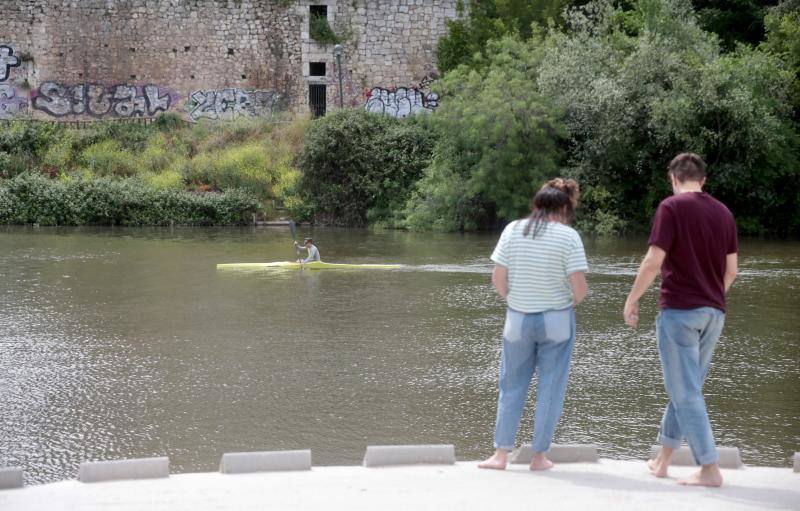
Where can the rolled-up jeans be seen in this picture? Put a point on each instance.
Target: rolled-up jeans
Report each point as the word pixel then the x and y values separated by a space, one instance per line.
pixel 540 342
pixel 686 341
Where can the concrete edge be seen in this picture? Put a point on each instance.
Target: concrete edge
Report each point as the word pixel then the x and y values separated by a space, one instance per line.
pixel 559 453
pixel 797 462
pixel 11 478
pixel 116 470
pixel 384 455
pixel 729 457
pixel 264 461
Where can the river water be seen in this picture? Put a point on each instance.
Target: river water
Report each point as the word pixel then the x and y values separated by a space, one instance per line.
pixel 129 343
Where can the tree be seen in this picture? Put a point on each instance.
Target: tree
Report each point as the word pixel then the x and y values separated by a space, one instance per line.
pixel 499 142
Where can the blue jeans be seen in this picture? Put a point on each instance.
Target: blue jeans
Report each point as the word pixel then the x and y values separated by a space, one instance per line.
pixel 542 341
pixel 686 341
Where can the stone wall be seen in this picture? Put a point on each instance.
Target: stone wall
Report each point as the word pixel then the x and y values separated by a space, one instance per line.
pixel 215 59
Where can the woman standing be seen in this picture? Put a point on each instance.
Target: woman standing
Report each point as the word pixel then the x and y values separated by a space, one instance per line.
pixel 540 268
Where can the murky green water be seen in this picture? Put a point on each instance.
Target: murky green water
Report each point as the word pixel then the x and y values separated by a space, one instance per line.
pixel 121 343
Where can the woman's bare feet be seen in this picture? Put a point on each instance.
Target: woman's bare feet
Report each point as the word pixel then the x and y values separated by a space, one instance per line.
pixel 709 475
pixel 498 460
pixel 540 462
pixel 659 465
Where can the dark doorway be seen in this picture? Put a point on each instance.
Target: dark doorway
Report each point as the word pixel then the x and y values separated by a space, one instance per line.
pixel 318 10
pixel 316 68
pixel 317 99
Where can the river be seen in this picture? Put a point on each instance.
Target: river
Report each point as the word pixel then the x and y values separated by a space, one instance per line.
pixel 129 343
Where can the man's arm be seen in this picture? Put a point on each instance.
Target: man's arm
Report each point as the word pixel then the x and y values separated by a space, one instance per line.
pixel 579 287
pixel 648 270
pixel 731 269
pixel 500 280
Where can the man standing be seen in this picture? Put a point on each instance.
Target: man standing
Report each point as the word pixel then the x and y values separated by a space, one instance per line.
pixel 693 243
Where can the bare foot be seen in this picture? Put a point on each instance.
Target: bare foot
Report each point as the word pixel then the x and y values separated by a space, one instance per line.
pixel 498 461
pixel 540 462
pixel 709 475
pixel 658 467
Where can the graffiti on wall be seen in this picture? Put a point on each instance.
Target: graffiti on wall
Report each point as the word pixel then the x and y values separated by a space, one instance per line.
pixel 10 102
pixel 402 101
pixel 232 103
pixel 7 61
pixel 97 100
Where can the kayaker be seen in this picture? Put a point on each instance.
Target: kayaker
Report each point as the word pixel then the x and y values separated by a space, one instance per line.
pixel 313 251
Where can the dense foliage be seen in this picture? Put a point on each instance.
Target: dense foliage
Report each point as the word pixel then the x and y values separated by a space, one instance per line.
pixel 358 167
pixel 500 140
pixel 174 167
pixel 617 89
pixel 35 199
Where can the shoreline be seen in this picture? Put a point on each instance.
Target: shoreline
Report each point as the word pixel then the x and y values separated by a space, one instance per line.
pixel 613 484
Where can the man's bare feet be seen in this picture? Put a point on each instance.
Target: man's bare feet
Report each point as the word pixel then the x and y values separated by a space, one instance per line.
pixel 540 462
pixel 709 475
pixel 498 460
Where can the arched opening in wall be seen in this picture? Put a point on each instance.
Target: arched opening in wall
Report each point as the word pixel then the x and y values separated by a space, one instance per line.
pixel 317 99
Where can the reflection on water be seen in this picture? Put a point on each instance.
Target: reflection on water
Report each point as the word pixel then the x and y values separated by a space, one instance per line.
pixel 120 343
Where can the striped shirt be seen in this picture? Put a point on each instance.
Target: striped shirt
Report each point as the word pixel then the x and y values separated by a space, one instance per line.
pixel 539 268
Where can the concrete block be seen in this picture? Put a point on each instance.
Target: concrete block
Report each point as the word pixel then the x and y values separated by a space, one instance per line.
pixel 797 462
pixel 728 456
pixel 382 455
pixel 11 477
pixel 115 470
pixel 563 453
pixel 245 462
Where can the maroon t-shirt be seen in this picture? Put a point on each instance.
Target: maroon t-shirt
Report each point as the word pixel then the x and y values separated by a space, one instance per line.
pixel 697 232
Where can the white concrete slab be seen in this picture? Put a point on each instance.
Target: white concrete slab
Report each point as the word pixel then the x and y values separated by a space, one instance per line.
pixel 116 470
pixel 797 462
pixel 245 462
pixel 11 477
pixel 728 456
pixel 382 455
pixel 618 485
pixel 560 453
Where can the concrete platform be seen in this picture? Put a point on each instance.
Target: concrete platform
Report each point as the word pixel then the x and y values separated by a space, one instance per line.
pixel 267 461
pixel 384 455
pixel 567 453
pixel 117 470
pixel 610 484
pixel 729 457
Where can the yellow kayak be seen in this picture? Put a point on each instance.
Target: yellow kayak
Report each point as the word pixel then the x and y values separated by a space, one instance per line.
pixel 316 265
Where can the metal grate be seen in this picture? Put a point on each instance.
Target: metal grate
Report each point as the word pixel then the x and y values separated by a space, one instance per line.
pixel 317 99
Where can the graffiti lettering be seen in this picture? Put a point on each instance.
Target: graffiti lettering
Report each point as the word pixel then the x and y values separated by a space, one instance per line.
pixel 10 103
pixel 402 101
pixel 98 100
pixel 231 103
pixel 7 61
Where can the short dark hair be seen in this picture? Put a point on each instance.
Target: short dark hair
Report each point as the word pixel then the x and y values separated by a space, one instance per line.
pixel 688 166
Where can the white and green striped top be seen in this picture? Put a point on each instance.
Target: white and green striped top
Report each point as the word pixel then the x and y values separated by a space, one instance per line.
pixel 539 268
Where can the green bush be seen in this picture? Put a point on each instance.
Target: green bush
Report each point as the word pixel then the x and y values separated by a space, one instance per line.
pixel 500 140
pixel 358 167
pixel 320 30
pixel 33 199
pixel 108 158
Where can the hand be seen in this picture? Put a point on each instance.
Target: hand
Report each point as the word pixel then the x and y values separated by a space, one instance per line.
pixel 631 314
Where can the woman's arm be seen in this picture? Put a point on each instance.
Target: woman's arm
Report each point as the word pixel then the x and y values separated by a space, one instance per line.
pixel 500 280
pixel 579 287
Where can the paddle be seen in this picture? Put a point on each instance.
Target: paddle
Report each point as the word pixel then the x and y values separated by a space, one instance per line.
pixel 293 229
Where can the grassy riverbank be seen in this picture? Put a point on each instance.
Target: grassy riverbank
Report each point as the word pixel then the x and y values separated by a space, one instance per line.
pixel 167 172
